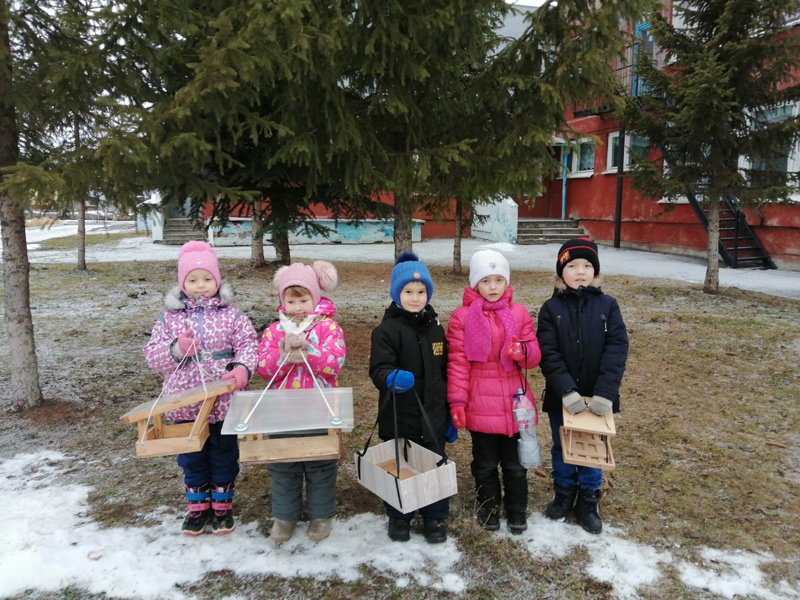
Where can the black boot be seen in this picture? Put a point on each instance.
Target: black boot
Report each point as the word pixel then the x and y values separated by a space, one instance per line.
pixel 562 503
pixel 517 522
pixel 222 505
pixel 434 530
pixel 586 509
pixel 399 529
pixel 488 519
pixel 199 510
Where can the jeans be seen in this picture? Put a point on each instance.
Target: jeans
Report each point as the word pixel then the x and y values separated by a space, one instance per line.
pixel 488 451
pixel 217 462
pixel 565 475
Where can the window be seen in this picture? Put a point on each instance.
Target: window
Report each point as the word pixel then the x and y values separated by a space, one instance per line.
pixel 771 170
pixel 580 159
pixel 637 145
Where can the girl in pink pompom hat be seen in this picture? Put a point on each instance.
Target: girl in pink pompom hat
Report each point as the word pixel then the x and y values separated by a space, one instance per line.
pixel 200 338
pixel 305 343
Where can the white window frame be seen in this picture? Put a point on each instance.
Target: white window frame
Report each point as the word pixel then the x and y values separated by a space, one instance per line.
pixel 626 160
pixel 574 159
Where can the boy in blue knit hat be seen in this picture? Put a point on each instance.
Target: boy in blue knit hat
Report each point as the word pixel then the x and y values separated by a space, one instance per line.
pixel 409 354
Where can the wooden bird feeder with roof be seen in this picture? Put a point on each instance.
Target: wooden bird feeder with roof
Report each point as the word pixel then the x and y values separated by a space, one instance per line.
pixel 585 439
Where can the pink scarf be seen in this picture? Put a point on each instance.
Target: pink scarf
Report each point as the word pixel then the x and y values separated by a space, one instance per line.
pixel 478 330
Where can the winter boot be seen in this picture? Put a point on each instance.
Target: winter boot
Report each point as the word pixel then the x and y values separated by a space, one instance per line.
pixel 319 529
pixel 399 529
pixel 517 522
pixel 488 518
pixel 586 509
pixel 562 503
pixel 282 530
pixel 222 504
pixel 199 510
pixel 434 530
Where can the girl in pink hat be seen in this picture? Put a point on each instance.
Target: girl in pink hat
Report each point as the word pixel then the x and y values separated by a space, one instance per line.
pixel 202 337
pixel 305 336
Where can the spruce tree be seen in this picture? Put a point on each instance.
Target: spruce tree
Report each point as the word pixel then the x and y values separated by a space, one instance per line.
pixel 726 72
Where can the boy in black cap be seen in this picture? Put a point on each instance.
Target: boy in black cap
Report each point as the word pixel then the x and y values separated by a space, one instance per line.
pixel 408 355
pixel 584 346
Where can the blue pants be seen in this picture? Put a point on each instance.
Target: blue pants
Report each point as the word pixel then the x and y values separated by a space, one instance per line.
pixel 439 510
pixel 565 475
pixel 217 462
pixel 287 489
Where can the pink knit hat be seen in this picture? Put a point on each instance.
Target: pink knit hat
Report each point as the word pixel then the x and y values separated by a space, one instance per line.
pixel 197 255
pixel 317 278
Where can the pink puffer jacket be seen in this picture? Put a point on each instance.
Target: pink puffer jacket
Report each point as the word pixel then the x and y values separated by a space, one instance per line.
pixel 226 338
pixel 326 352
pixel 485 389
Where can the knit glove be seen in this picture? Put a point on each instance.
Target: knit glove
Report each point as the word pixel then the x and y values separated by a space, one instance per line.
pixel 240 377
pixel 400 381
pixel 295 346
pixel 599 405
pixel 515 349
pixel 573 402
pixel 186 345
pixel 459 417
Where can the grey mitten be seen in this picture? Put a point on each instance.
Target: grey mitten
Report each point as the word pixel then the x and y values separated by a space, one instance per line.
pixel 599 405
pixel 573 402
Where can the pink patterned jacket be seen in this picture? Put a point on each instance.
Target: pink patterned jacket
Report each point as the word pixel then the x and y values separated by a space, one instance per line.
pixel 226 336
pixel 326 352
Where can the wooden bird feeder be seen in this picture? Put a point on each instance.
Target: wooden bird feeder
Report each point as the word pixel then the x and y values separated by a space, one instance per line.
pixel 157 439
pixel 585 439
pixel 263 418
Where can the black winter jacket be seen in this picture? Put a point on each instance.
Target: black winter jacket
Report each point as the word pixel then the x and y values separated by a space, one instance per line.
pixel 584 345
pixel 412 342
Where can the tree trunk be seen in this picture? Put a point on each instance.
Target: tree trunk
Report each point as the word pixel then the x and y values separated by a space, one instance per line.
pixel 76 135
pixel 711 283
pixel 82 234
pixel 403 210
pixel 458 218
pixel 280 240
pixel 25 390
pixel 257 243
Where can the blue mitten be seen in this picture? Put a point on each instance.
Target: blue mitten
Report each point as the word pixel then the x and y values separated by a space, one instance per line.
pixel 400 381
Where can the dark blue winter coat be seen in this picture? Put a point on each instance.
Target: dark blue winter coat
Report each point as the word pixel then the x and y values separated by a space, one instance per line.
pixel 584 345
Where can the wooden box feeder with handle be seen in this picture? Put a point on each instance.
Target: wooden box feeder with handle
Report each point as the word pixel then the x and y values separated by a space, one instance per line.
pixel 158 439
pixel 585 439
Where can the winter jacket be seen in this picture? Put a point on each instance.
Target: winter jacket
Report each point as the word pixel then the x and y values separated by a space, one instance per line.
pixel 584 344
pixel 413 342
pixel 485 389
pixel 326 352
pixel 226 339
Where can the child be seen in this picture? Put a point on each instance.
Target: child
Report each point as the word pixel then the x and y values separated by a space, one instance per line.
pixel 201 338
pixel 491 341
pixel 408 356
pixel 584 350
pixel 321 344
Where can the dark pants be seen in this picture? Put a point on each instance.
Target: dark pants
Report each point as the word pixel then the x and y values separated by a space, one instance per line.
pixel 488 451
pixel 287 489
pixel 566 475
pixel 217 462
pixel 439 510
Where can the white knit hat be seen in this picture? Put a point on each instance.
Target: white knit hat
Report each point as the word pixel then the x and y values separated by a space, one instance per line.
pixel 487 262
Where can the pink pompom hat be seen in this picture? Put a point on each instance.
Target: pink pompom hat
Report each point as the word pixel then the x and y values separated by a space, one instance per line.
pixel 321 276
pixel 197 255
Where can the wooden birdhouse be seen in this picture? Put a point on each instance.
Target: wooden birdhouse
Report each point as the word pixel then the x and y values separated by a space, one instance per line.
pixel 158 439
pixel 585 439
pixel 290 425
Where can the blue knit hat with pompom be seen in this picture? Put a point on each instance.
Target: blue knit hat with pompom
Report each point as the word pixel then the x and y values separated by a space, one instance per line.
pixel 408 268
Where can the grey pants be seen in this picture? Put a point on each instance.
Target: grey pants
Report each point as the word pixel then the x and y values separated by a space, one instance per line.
pixel 287 489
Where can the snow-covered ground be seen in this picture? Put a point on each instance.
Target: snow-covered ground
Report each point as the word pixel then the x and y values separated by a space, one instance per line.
pixel 613 261
pixel 51 545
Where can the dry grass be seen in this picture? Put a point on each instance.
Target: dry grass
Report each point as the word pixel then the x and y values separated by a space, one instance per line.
pixel 708 449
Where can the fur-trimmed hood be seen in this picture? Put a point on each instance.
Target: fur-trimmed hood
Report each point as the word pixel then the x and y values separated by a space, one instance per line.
pixel 175 299
pixel 560 285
